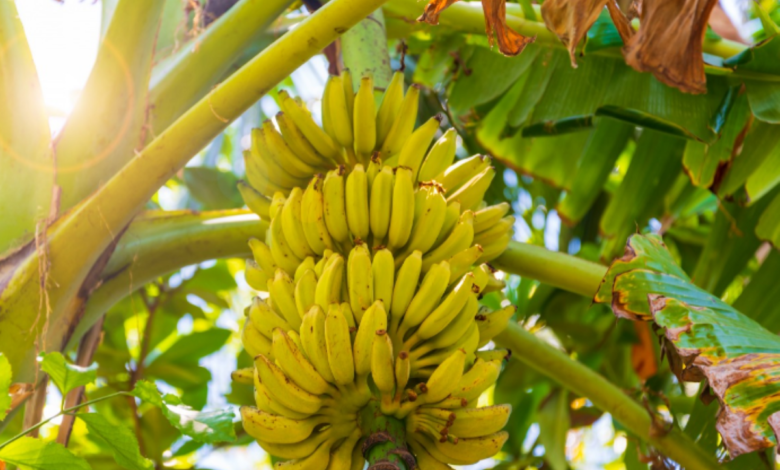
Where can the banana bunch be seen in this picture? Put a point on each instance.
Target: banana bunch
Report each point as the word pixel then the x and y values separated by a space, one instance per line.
pixel 345 337
pixel 367 174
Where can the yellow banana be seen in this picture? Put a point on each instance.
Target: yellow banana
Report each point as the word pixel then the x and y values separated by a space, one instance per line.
pixel 360 280
pixel 357 203
pixel 475 422
pixel 404 289
pixel 349 92
pixel 425 460
pixel 487 217
pixel 283 294
pixel 383 271
pixel 282 254
pixel 346 310
pixel 427 297
pixel 299 450
pixel 327 120
pixel 415 147
pixel 255 276
pixel 262 255
pixel 297 367
pixel 339 346
pixel 293 225
pixel 465 451
pixel 494 249
pixel 382 368
pixel 403 125
pixel 277 429
pixel 341 458
pixel 493 323
pixel 375 318
pixel 481 275
pixel 470 194
pixel 390 107
pixel 402 372
pixel 364 119
pixel 456 327
pixel 270 162
pixel 256 201
pixel 448 309
pixel 340 114
pixel 298 143
pixel 335 209
pixel 381 203
pixel 373 169
pixel 428 225
pixel 257 177
pixel 243 376
pixel 459 173
pixel 461 262
pixel 329 285
pixel 499 229
pixel 306 265
pixel 313 217
pixel 446 377
pixel 254 342
pixel 439 157
pixel 318 460
pixel 479 378
pixel 402 213
pixel 467 342
pixel 450 221
pixel 314 343
pixel 265 319
pixel 358 461
pixel 460 239
pixel 305 290
pixel 283 155
pixel 321 141
pixel 283 389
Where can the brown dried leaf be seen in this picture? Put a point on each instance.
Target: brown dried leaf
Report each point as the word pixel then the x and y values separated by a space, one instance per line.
pixel 509 42
pixel 643 353
pixel 622 24
pixel 19 392
pixel 571 20
pixel 669 42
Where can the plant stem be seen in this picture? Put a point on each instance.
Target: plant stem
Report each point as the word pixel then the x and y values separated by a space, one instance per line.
pixel 583 381
pixel 364 50
pixel 386 442
pixel 66 410
pixel 552 267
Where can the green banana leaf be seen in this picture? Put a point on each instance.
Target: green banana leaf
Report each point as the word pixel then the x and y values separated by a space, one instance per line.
pixel 705 339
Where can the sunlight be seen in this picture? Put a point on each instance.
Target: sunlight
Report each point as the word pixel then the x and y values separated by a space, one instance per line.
pixel 63 38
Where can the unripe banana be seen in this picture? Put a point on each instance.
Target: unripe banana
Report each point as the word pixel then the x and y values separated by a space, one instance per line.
pixel 297 367
pixel 390 108
pixel 487 217
pixel 357 203
pixel 265 319
pixel 375 318
pixel 255 277
pixel 461 172
pixel 460 239
pixel 360 280
pixel 494 249
pixel 292 224
pixel 277 429
pixel 339 346
pixel 493 323
pixel 283 294
pixel 364 119
pixel 402 214
pixel 461 262
pixel 382 368
pixel 256 201
pixel 320 140
pixel 314 342
pixel 283 390
pixel 403 125
pixel 439 157
pixel 381 203
pixel 383 272
pixel 335 209
pixel 499 229
pixel 415 147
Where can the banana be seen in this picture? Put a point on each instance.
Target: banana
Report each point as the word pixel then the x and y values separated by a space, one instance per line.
pixel 339 113
pixel 415 147
pixel 450 221
pixel 357 203
pixel 425 460
pixel 283 155
pixel 255 276
pixel 487 217
pixel 329 285
pixel 364 119
pixel 243 376
pixel 349 93
pixel 256 175
pixel 381 203
pixel 383 272
pixel 277 429
pixel 299 450
pixel 470 194
pixel 314 343
pixel 494 249
pixel 459 173
pixel 404 289
pixel 429 223
pixel 375 318
pixel 282 254
pixel 262 255
pixel 339 346
pixel 277 202
pixel 495 232
pixel 292 224
pixel 320 140
pixel 390 107
pixel 402 212
pixel 256 201
pixel 360 280
pixel 267 403
pixel 297 367
pixel 341 458
pixel 456 327
pixel 270 163
pixel 481 275
pixel 448 309
pixel 306 265
pixel 298 143
pixel 284 390
pixel 382 368
pixel 494 284
pixel 460 239
pixel 475 422
pixel 327 121
pixel 465 451
pixel 461 262
pixel 265 319
pixel 282 292
pixel 254 342
pixel 402 372
pixel 305 290
pixel 403 125
pixel 479 378
pixel 467 342
pixel 493 323
pixel 373 169
pixel 335 209
pixel 313 217
pixel 446 377
pixel 346 310
pixel 318 460
pixel 427 297
pixel 439 157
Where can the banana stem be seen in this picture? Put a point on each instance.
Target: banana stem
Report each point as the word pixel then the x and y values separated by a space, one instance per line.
pixel 583 381
pixel 385 447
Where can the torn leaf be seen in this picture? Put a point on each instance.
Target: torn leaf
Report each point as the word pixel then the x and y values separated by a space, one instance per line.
pixel 669 42
pixel 738 357
pixel 571 20
pixel 510 42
